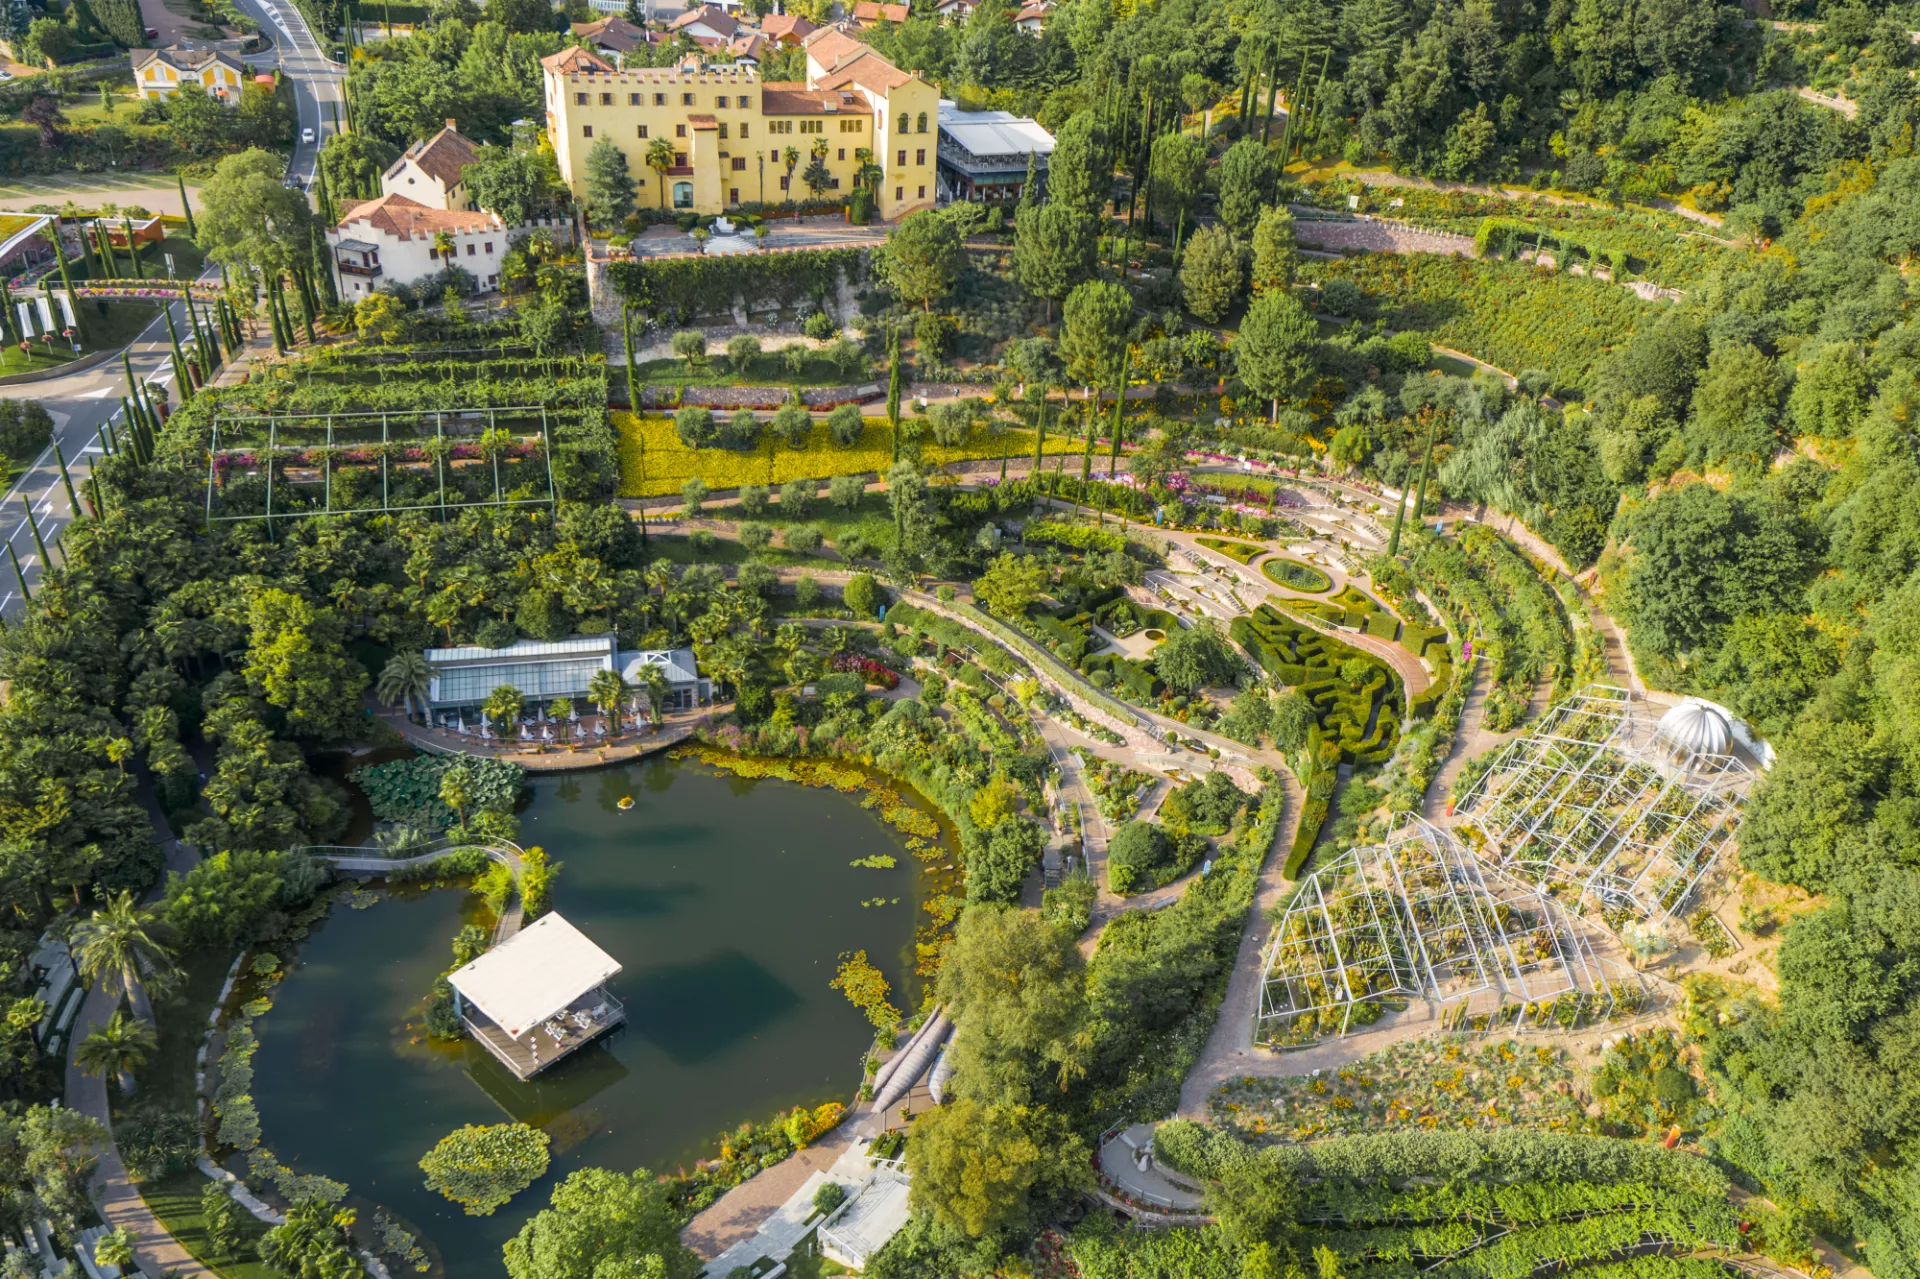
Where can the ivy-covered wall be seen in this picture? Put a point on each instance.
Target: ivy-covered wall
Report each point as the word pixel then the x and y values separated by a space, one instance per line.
pixel 677 289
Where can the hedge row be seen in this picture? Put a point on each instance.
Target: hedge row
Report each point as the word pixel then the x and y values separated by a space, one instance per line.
pixel 1307 660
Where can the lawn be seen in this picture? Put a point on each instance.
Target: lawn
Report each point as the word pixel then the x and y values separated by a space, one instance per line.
pixel 119 325
pixel 1296 576
pixel 176 1201
pixel 187 261
pixel 679 549
pixel 1244 552
pixel 654 463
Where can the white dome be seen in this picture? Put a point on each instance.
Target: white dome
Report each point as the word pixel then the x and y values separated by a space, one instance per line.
pixel 1694 727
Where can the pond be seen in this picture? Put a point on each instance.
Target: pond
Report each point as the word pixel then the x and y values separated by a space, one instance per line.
pixel 726 900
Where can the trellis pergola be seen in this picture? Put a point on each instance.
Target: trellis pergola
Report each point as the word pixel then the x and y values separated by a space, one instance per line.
pixel 1594 800
pixel 236 440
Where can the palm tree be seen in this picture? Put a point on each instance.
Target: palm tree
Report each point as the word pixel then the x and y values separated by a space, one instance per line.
pixel 660 159
pixel 443 246
pixel 609 691
pixel 655 681
pixel 127 948
pixel 404 680
pixel 560 711
pixel 792 156
pixel 116 1048
pixel 503 706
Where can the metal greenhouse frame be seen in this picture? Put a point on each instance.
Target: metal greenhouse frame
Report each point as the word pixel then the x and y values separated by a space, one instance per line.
pixel 1594 800
pixel 1416 917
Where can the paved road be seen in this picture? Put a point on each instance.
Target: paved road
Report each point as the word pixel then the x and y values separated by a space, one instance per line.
pixel 80 403
pixel 316 81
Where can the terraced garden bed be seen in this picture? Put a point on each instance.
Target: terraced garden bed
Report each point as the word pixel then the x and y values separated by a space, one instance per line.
pixel 1294 575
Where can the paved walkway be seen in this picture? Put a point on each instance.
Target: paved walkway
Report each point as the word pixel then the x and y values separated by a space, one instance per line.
pixel 116 1197
pixel 740 1213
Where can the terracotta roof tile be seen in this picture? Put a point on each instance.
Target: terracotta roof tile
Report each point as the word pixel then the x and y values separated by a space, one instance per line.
pixel 787 26
pixel 576 59
pixel 442 157
pixel 719 19
pixel 405 218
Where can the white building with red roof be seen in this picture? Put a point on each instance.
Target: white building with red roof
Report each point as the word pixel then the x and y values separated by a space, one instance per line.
pixel 399 240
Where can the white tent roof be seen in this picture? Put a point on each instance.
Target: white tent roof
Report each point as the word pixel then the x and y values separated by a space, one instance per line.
pixel 994 132
pixel 533 974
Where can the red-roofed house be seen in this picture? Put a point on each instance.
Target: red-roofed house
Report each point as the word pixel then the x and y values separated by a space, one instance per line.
pixel 868 12
pixel 396 239
pixel 431 172
pixel 708 22
pixel 786 28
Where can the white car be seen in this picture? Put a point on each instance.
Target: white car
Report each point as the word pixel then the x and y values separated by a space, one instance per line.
pixel 306 135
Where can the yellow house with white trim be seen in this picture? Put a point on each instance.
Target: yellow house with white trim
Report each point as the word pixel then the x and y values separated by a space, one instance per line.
pixel 160 73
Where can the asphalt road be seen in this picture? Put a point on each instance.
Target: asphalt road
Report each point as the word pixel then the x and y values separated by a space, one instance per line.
pixel 82 402
pixel 316 81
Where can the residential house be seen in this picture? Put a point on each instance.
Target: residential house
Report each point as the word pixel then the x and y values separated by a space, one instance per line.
pixel 728 131
pixel 709 26
pixel 984 154
pixel 613 36
pixel 868 13
pixel 786 28
pixel 160 73
pixel 431 172
pixel 397 239
pixel 748 49
pixel 1032 18
pixel 954 10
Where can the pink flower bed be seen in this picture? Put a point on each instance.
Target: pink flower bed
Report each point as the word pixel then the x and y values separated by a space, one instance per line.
pixel 865 667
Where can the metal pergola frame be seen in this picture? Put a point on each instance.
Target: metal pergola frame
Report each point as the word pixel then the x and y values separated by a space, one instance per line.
pixel 1593 800
pixel 1434 926
pixel 326 422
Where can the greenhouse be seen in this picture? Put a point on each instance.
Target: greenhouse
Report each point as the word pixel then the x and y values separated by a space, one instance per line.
pixel 1613 802
pixel 1417 917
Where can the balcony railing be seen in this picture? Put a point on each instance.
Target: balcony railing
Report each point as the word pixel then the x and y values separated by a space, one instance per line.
pixel 355 268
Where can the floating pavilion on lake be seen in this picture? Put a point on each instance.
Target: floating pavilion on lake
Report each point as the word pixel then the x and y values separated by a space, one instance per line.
pixel 539 996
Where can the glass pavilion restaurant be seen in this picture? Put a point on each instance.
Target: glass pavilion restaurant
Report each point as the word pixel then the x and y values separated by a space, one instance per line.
pixel 544 670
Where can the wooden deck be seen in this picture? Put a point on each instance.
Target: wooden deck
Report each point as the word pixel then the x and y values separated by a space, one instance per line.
pixel 541 1047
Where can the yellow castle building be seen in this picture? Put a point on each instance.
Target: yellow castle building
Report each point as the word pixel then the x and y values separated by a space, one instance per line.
pixel 734 139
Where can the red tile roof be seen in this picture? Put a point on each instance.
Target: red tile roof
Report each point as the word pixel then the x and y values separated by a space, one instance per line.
pixel 576 59
pixel 789 97
pixel 869 11
pixel 722 22
pixel 787 27
pixel 442 157
pixel 399 216
pixel 866 69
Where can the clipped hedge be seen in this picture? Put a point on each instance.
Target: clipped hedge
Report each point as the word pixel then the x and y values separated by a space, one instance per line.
pixel 1383 626
pixel 1312 817
pixel 701 284
pixel 1309 661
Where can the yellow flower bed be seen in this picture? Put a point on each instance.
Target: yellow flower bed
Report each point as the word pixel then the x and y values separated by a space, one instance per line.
pixel 654 463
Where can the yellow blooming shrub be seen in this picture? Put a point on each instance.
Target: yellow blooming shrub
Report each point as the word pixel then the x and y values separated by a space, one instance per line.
pixel 654 463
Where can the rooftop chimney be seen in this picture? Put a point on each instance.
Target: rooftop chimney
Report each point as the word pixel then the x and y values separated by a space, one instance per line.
pixel 450 124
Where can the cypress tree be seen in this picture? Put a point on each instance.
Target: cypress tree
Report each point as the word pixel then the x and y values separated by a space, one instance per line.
pixel 1040 436
pixel 66 282
pixel 893 392
pixel 8 320
pixel 19 574
pixel 133 251
pixel 1426 463
pixel 186 207
pixel 179 360
pixel 1119 404
pixel 66 478
pixel 39 543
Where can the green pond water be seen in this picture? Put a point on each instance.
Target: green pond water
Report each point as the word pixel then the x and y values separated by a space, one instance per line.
pixel 726 900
